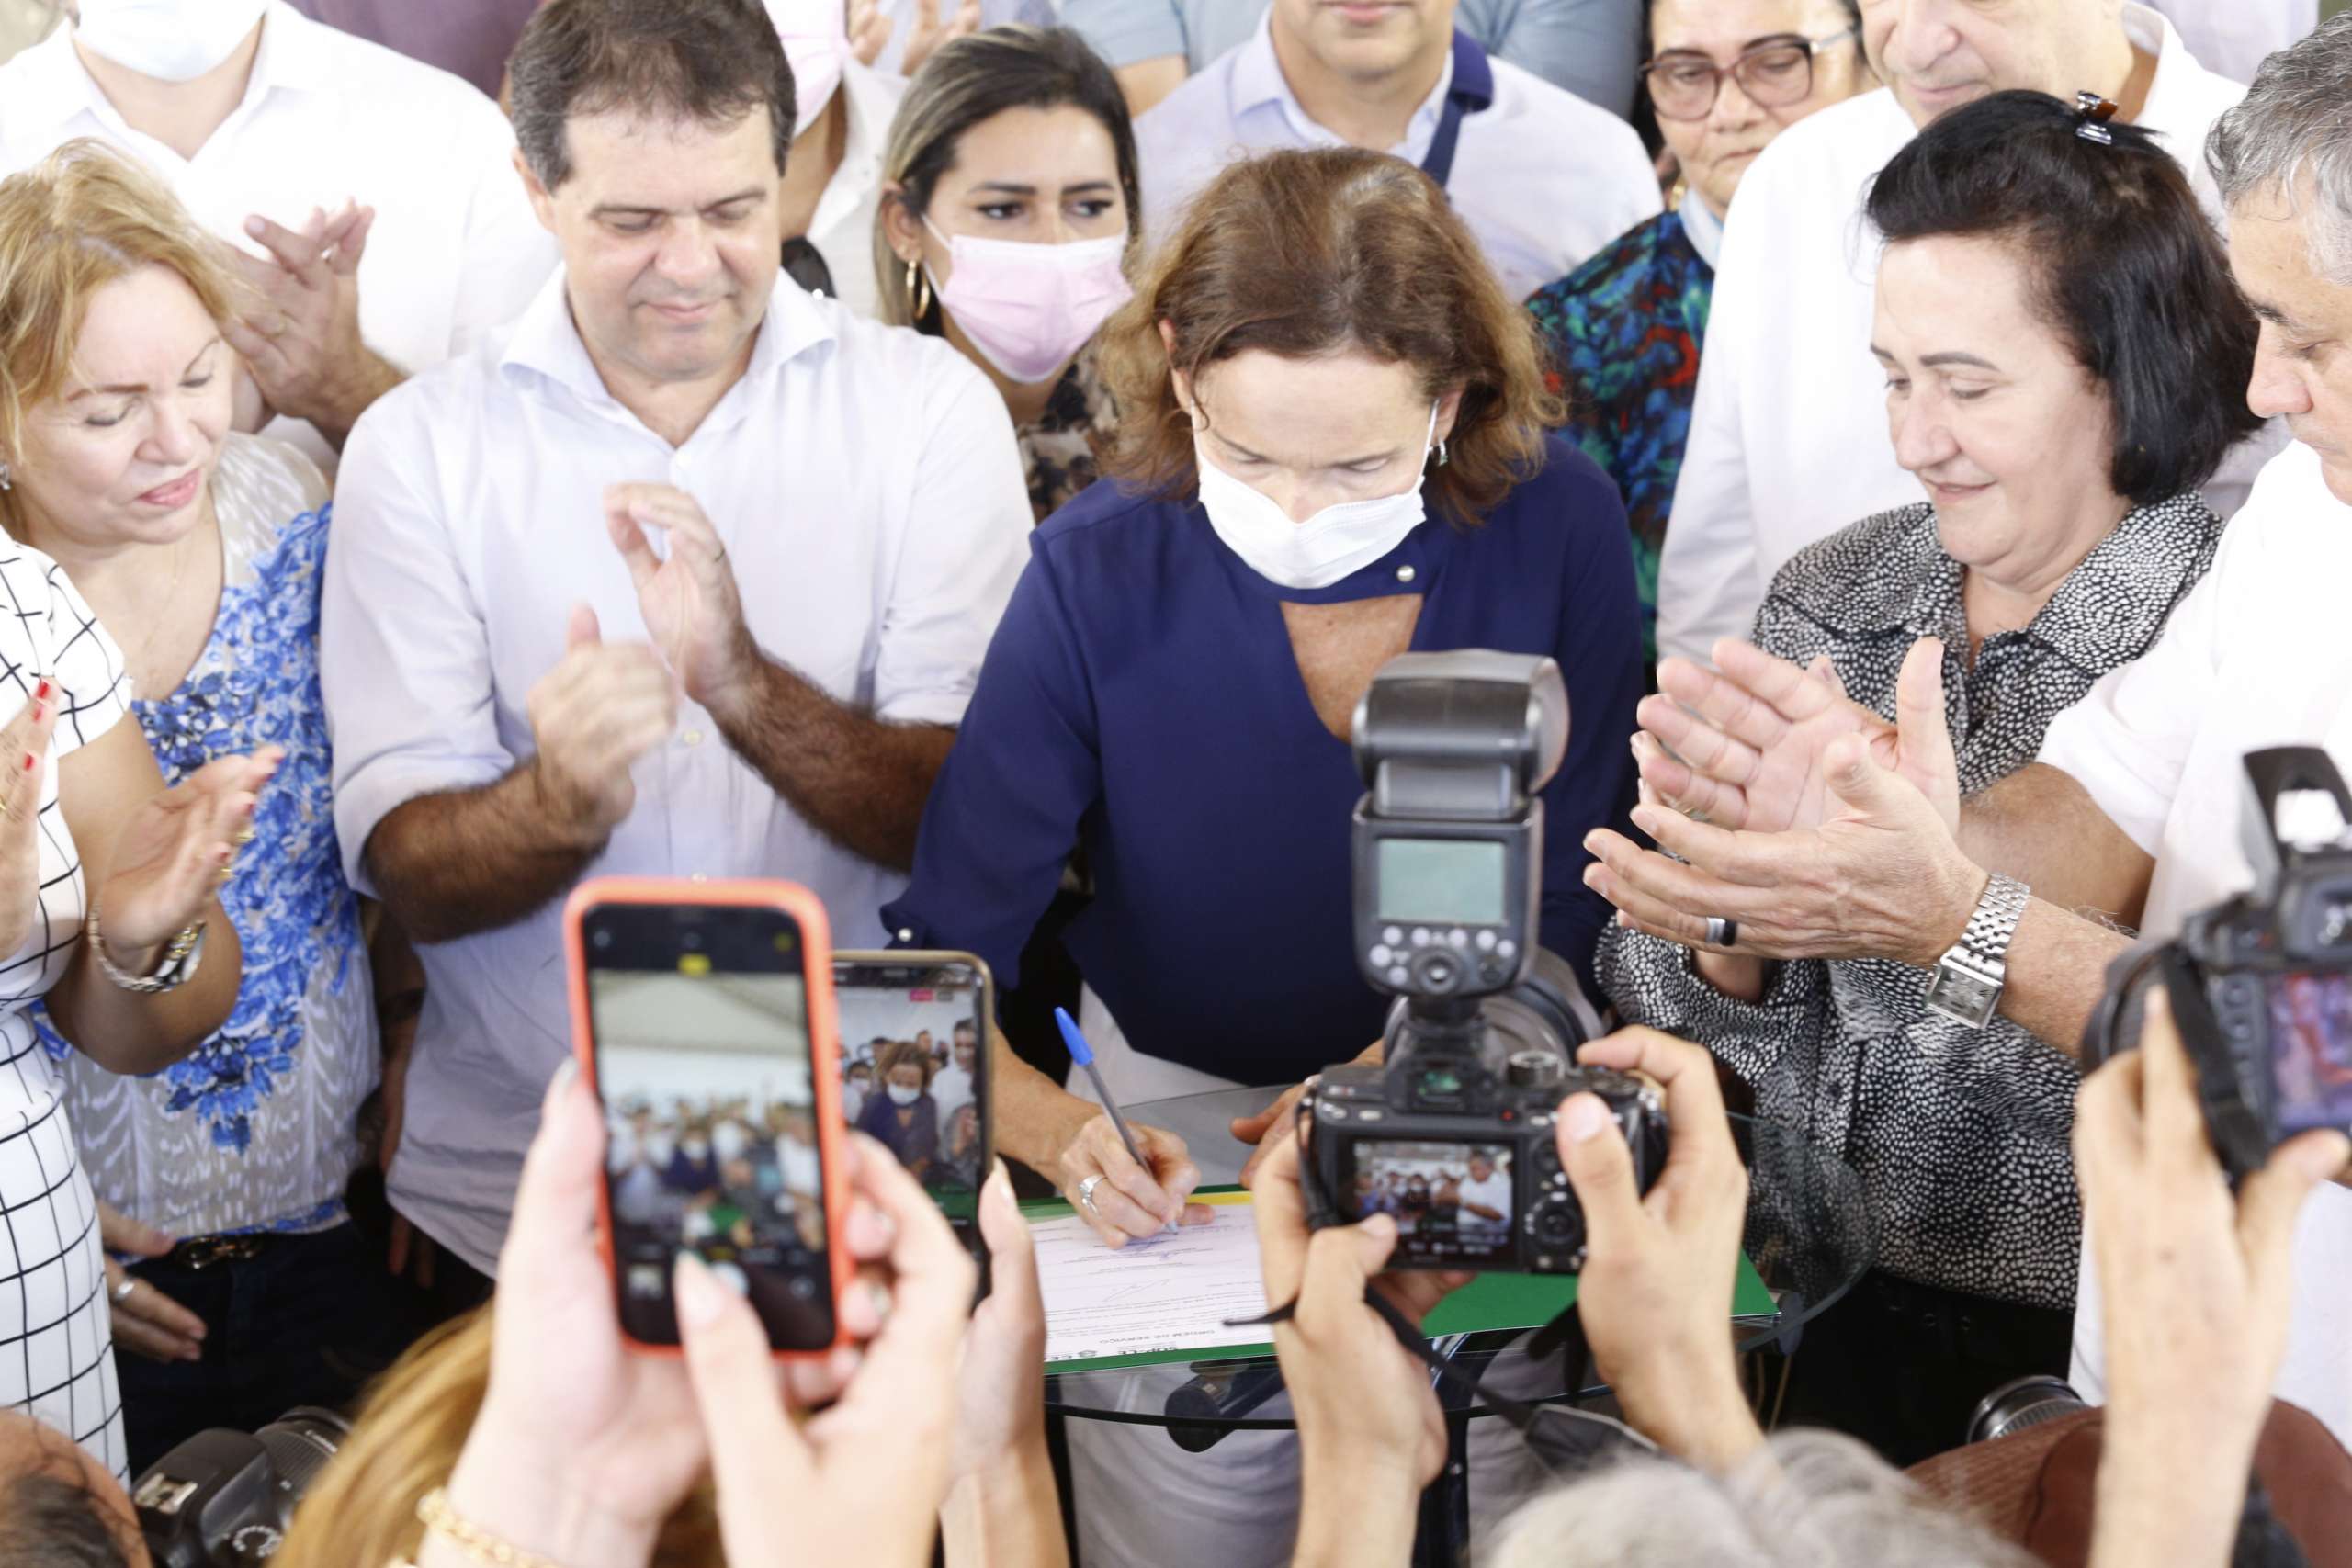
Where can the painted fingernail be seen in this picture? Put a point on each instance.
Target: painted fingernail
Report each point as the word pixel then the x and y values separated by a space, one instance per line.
pixel 29 762
pixel 1583 1116
pixel 41 692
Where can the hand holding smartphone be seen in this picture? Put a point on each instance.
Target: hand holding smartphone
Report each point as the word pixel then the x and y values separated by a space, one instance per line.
pixel 703 1016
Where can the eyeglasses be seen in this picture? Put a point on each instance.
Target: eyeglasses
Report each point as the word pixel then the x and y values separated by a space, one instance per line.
pixel 1773 72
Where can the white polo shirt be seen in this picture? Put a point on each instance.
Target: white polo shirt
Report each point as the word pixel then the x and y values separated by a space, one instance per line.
pixel 1788 436
pixel 327 118
pixel 1542 179
pixel 867 485
pixel 2254 657
pixel 843 226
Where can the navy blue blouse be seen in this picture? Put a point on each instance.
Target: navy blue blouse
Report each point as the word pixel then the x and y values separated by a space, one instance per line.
pixel 1141 699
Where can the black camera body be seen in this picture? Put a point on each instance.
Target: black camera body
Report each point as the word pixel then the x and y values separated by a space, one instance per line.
pixel 2261 983
pixel 1454 1133
pixel 225 1499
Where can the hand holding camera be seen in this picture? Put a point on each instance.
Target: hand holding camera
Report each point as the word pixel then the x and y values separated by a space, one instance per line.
pixel 2196 1289
pixel 1657 1284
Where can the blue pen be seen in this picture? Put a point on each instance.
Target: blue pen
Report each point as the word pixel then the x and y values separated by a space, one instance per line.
pixel 1083 1055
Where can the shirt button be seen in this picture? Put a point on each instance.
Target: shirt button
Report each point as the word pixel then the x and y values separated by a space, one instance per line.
pixel 906 933
pixel 692 738
pixel 1405 574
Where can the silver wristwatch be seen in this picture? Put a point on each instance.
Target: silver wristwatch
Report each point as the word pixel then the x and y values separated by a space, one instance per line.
pixel 1971 973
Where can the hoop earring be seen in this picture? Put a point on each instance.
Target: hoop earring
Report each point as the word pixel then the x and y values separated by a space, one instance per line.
pixel 1440 454
pixel 917 278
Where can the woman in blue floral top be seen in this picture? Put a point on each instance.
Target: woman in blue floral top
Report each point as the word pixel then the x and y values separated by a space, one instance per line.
pixel 1724 77
pixel 200 551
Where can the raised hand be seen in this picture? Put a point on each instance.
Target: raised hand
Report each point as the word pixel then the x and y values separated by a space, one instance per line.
pixel 689 600
pixel 1882 875
pixel 1751 735
pixel 929 32
pixel 604 707
pixel 299 333
pixel 869 30
pixel 173 853
pixel 24 764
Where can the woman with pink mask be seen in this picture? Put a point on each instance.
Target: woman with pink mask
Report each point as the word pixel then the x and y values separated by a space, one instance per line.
pixel 1009 212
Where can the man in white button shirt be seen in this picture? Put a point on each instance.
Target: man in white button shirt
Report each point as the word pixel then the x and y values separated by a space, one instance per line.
pixel 1542 179
pixel 1788 435
pixel 2135 810
pixel 248 109
pixel 688 574
pixel 1486 1197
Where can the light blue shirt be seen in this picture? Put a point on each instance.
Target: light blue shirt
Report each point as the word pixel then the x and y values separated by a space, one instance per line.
pixel 1589 47
pixel 1542 179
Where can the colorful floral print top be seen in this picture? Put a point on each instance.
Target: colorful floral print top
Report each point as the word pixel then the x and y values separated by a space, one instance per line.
pixel 254 1129
pixel 1625 329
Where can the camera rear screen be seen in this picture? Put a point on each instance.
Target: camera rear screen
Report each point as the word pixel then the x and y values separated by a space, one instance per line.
pixel 1452 881
pixel 1453 1202
pixel 712 1144
pixel 914 1073
pixel 2311 1046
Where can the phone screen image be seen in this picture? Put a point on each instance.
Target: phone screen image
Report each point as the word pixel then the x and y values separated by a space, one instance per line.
pixel 2311 1042
pixel 914 1071
pixel 700 1020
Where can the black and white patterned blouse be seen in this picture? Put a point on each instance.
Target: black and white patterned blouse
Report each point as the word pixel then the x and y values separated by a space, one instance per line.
pixel 1960 1135
pixel 56 1333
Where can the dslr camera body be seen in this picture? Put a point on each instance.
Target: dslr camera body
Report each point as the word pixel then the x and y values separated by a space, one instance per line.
pixel 2261 983
pixel 1454 1133
pixel 225 1499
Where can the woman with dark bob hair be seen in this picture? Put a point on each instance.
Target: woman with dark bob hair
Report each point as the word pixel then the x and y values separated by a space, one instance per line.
pixel 1334 445
pixel 2065 354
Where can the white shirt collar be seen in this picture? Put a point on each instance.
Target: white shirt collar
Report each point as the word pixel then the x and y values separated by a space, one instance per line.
pixel 58 87
pixel 1705 229
pixel 545 342
pixel 1258 80
pixel 2154 32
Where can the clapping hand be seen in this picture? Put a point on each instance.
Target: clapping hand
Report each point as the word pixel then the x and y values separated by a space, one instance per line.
pixel 602 708
pixel 870 28
pixel 173 853
pixel 300 335
pixel 1744 747
pixel 689 600
pixel 24 771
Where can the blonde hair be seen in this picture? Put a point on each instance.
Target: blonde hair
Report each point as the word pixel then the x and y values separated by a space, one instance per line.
pixel 77 221
pixel 411 1426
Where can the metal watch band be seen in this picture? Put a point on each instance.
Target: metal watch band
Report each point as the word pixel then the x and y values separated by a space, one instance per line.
pixel 1986 940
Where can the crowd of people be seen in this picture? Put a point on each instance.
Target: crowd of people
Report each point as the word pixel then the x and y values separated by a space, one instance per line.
pixel 971 461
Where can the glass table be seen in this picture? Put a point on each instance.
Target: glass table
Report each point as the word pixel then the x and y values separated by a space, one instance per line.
pixel 1808 1232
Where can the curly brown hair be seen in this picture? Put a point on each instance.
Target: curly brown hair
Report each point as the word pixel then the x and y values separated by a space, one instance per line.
pixel 1308 254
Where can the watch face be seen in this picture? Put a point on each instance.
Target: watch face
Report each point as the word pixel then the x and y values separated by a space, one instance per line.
pixel 1963 995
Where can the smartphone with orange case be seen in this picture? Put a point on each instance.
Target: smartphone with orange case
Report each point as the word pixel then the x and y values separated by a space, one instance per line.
pixel 702 1013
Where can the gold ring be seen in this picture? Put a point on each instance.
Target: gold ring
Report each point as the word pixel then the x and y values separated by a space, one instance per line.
pixel 244 836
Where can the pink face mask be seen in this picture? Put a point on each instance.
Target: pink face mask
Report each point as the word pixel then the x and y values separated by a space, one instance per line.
pixel 1030 307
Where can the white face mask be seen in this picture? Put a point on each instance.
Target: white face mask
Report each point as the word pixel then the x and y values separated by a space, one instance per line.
pixel 901 1095
pixel 172 41
pixel 1336 541
pixel 695 1149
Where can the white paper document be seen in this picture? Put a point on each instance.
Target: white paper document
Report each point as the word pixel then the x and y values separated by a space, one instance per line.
pixel 1172 1292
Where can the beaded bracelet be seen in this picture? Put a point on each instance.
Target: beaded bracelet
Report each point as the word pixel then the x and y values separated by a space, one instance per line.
pixel 432 1511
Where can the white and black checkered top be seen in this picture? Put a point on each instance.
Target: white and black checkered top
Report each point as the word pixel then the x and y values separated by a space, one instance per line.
pixel 1960 1135
pixel 56 1348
